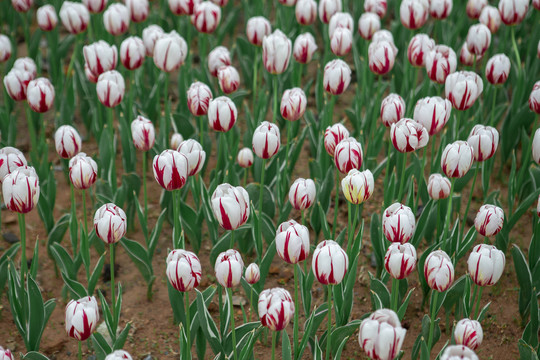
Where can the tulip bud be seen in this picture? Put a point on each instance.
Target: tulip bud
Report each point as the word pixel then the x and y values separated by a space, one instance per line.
pixel 376 6
pixel 119 355
pixel 100 57
pixel 368 24
pixel 67 141
pixel 74 16
pixel 40 95
pixel 491 17
pixel 463 88
pixel 277 49
pixel 217 58
pixel 26 64
pixel 257 28
pixel 116 19
pixel 474 8
pixel 305 12
pixel 513 11
pixel 381 335
pixel 21 189
pixel 330 263
pixel 341 41
pixel 150 35
pixel 110 223
pixel 440 62
pixel 183 7
pixel 398 223
pixel 132 52
pixel 478 39
pixel 230 206
pixel 143 132
pixel 433 113
pixel 194 154
pixel 392 109
pixel 206 17
pixel 183 270
pixel 16 83
pixel 413 13
pixel 439 271
pixel 534 102
pixel 408 135
pixel 340 20
pixel 461 352
pixel 327 8
pixel 304 48
pixel 110 88
pixel 440 9
pixel 276 308
pixel 82 317
pixel 498 69
pixel 293 104
pixel 95 6
pixel 381 57
pixel 170 52
pixel 489 220
pixel 22 5
pixel 337 77
pixel 333 136
pixel 222 114
pixel 536 4
pixel 266 140
pixel 245 157
pixel 199 96
pixel 46 17
pixel 170 169
pixel 138 10
pixel 176 140
pixel 486 264
pixel 484 141
pixel 229 79
pixel 252 274
pixel 10 159
pixel 348 155
pixel 469 333
pixel 438 187
pixel 457 159
pixel 302 193
pixel 466 57
pixel 358 186
pixel 6 354
pixel 228 268
pixel 5 48
pixel 82 171
pixel 292 242
pixel 400 260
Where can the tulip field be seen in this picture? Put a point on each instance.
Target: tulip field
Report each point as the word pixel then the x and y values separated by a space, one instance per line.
pixel 270 179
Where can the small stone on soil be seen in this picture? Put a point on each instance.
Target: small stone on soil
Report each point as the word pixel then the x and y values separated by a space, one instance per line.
pixel 10 237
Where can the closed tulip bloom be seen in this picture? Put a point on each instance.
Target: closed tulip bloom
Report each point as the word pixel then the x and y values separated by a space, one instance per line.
pixel 302 193
pixel 398 223
pixel 206 17
pixel 486 264
pixel 536 4
pixel 89 74
pixel 82 171
pixel 170 52
pixel 484 140
pixel 400 260
pixel 74 16
pixel 199 96
pixel 116 19
pixel 220 3
pixel 119 355
pixel 419 46
pixel 26 64
pixel 176 140
pixel 10 159
pixel 438 187
pixel 458 352
pixel 82 317
pixel 228 79
pixel 5 354
pixel 110 88
pixel 478 39
pixel 392 109
pixel 327 8
pixel 16 83
pixel 381 57
pixel 95 6
pixel 491 17
pixel 5 48
pixel 368 24
pixel 340 20
pixel 463 88
pixel 513 11
pixel 466 57
pixel 266 140
pixel 408 135
pixel 413 13
pixel 385 35
pixel 100 57
pixel 110 223
pixel 40 95
pixel 376 6
pixel 333 136
pixel 143 132
pixel 305 12
pixel 222 114
pixel 489 220
pixel 217 58
pixel 433 113
pixel 252 274
pixel 381 335
pixel 337 77
pixel 474 8
pixel 257 28
pixel 170 169
pixel 341 41
pixel 21 189
pixel 534 102
pixel 457 159
pixel 183 270
pixel 228 268
pixel 277 50
pixel 183 7
pixel 440 9
pixel 440 62
pixel 132 52
pixel 138 10
pixel 469 333
pixel 330 263
pixel 245 158
pixel 304 48
pixel 292 242
pixel 22 5
pixel 194 154
pixel 230 206
pixel 67 141
pixel 439 271
pixel 150 35
pixel 276 308
pixel 293 104
pixel 348 155
pixel 498 69
pixel 46 17
pixel 358 186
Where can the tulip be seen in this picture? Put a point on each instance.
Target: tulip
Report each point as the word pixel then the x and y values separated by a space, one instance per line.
pixel 433 113
pixel 376 6
pixel 341 41
pixel 229 79
pixel 230 206
pixel 10 159
pixel 74 16
pixel 138 10
pixel 5 354
pixel 534 102
pixel 340 20
pixel 368 24
pixel 277 50
pixel 491 17
pixel 252 274
pixel 95 6
pixel 438 187
pixel 452 352
pixel 257 28
pixel 474 8
pixel 440 9
pixel 5 48
pixel 414 13
pixel 381 335
pixel 398 223
pixel 150 36
pixel 498 69
pixel 358 186
pixel 283 2
pixel 440 62
pixel 327 8
pixel 304 48
pixel 466 57
pixel 110 223
pixel 457 159
pixel 82 317
pixel 439 271
pixel 381 56
pixel 485 265
pixel 276 308
pixel 484 141
pixel 337 77
pixel 22 5
pixel 419 46
pixel 266 140
pixel 170 169
pixel 305 12
pixel 26 64
pixel 82 171
pixel 292 242
pixel 199 96
pixel 21 189
pixel 110 88
pixel 330 263
pixel 536 4
pixel 100 57
pixel 392 109
pixel 143 132
pixel 489 220
pixel 222 114
pixel 46 18
pixel 194 154
pixel 385 35
pixel 176 140
pixel 132 52
pixel 89 74
pixel 16 83
pixel 116 19
pixel 408 135
pixel 513 11
pixel 183 7
pixel 302 193
pixel 119 355
pixel 469 333
pixel 245 158
pixel 478 39
pixel 206 17
pixel 170 52
pixel 183 270
pixel 228 268
pixel 40 95
pixel 333 136
pixel 463 88
pixel 400 260
pixel 348 155
pixel 217 58
pixel 293 104
pixel 67 141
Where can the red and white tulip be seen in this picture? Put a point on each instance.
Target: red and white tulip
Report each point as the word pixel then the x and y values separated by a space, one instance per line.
pixel 183 270
pixel 230 206
pixel 330 263
pixel 110 223
pixel 398 223
pixel 439 271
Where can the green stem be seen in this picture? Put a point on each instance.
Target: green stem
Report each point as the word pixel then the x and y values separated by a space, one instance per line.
pixel 329 334
pixel 232 240
pixel 274 336
pixel 80 351
pixel 110 125
pixel 255 78
pixel 22 227
pixel 73 57
pixel 289 140
pixel 303 216
pixel 492 119
pixel 433 315
pixel 233 331
pixel 261 191
pixel 349 225
pixel 433 155
pixel 26 29
pixel 387 174
pixel 188 320
pixel 296 311
pixel 31 129
pixel 245 177
pixel 437 231
pixel 449 211
pixel 516 51
pixel 421 179
pixel 402 177
pixel 251 301
pixel 470 198
pixel 476 312
pixel 113 295
pixel 475 291
pixel 395 291
pixel 145 193
pixel 178 242
pixel 336 203
pixel 274 108
pixel 201 131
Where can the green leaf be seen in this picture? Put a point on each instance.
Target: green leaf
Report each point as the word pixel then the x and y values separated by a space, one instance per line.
pixel 286 352
pixel 140 258
pixel 525 281
pixel 379 288
pixel 95 275
pixel 100 345
pixel 208 325
pixel 74 286
pixel 33 355
pixel 403 308
pixel 191 226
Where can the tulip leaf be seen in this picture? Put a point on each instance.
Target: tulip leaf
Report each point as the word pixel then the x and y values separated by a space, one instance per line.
pixel 265 265
pixel 286 351
pixel 176 299
pixel 422 224
pixel 380 289
pixel 340 347
pixel 530 335
pixel 483 312
pixel 4 263
pixel 140 258
pixel 191 226
pixel 522 208
pixel 34 355
pixel 208 325
pixel 525 281
pixel 92 281
pixel 76 287
pixel 403 308
pixel 156 232
pixel 526 351
pixel 322 216
pixel 465 245
pixel 246 348
pixel 269 204
pixel 342 333
pixel 58 231
pixel 63 260
pixel 100 345
pixel 121 339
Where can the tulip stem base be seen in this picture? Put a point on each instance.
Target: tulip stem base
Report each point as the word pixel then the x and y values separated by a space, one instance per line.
pixel 22 228
pixel 79 356
pixel 296 311
pixel 274 336
pixel 232 240
pixel 329 333
pixel 233 331
pixel 395 294
pixel 113 295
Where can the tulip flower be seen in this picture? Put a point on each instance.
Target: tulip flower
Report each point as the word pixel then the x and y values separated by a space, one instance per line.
pixel 194 154
pixel 22 5
pixel 484 141
pixel 461 352
pixel 536 4
pixel 277 50
pixel 292 242
pixel 230 206
pixel 330 263
pixel 222 114
pixel 252 274
pixel 485 265
pixel 491 17
pixel 498 69
pixel 82 317
pixel 40 95
pixel 245 158
pixel 474 8
pixel 333 136
pixel 466 57
pixel 266 140
pixel 46 18
pixel 302 193
pixel 513 11
pixel 304 48
pixel 20 188
pixel 400 260
pixel 440 62
pixel 95 6
pixel 368 24
pixel 82 171
pixel 457 159
pixel 398 223
pixel 534 101
pixel 293 104
pixel 478 39
pixel 228 268
pixel 414 13
pixel 132 52
pixel 341 41
pixel 183 7
pixel 337 77
pixel 183 270
pixel 176 140
pixel 10 159
pixel 16 83
pixel 392 109
pixel 116 19
pixel 340 20
pixel 438 187
pixel 110 223
pixel 229 79
pixel 26 64
pixel 74 16
pixel 408 135
pixel 110 88
pixel 276 308
pixel 150 35
pixel 376 6
pixel 489 220
pixel 419 46
pixel 439 271
pixel 463 88
pixel 143 132
pixel 433 113
pixel 381 335
pixel 440 9
pixel 469 333
pixel 170 169
pixel 5 48
pixel 170 52
pixel 348 155
pixel 381 56
pixel 199 96
pixel 100 57
pixel 358 186
pixel 119 355
pixel 305 12
pixel 217 58
pixel 138 10
pixel 6 354
pixel 385 35
pixel 327 8
pixel 206 17
pixel 257 28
